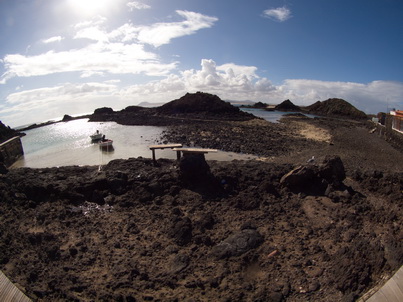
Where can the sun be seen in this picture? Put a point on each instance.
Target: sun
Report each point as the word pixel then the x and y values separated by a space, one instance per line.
pixel 90 7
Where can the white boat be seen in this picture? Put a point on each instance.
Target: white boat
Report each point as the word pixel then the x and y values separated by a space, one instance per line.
pixel 96 136
pixel 105 143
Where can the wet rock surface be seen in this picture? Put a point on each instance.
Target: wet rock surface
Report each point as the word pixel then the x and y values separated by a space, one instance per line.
pixel 136 231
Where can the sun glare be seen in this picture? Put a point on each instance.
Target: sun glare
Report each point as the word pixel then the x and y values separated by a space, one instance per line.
pixel 90 7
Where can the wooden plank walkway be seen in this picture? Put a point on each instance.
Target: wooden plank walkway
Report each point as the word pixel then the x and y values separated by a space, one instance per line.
pixel 9 292
pixel 195 150
pixel 391 291
pixel 165 146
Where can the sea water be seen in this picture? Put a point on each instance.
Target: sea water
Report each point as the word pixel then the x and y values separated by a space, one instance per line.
pixel 69 143
pixel 271 116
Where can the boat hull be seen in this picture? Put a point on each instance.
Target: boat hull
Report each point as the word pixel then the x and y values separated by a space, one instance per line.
pixel 107 143
pixel 96 137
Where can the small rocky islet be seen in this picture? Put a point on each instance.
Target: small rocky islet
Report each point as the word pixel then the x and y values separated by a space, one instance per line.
pixel 283 228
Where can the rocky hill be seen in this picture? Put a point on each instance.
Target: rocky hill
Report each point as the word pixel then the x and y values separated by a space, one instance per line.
pixel 6 132
pixel 287 105
pixel 335 108
pixel 190 107
pixel 203 104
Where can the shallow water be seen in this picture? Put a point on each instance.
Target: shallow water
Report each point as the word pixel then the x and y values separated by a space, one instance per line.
pixel 69 143
pixel 271 116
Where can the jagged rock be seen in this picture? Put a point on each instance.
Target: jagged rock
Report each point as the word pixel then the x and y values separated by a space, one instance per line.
pixel 181 231
pixel 6 132
pixel 316 180
pixel 194 167
pixel 3 169
pixel 237 244
pixel 298 179
pixel 332 169
pixel 67 118
pixel 178 263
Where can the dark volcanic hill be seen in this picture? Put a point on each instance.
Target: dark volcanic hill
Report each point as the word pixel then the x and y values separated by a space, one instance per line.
pixel 287 105
pixel 203 105
pixel 337 108
pixel 192 106
pixel 6 132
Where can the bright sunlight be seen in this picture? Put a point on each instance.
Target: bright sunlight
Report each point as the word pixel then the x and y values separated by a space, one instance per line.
pixel 90 7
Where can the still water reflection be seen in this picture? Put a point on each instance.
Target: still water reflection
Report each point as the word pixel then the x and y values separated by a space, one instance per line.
pixel 69 143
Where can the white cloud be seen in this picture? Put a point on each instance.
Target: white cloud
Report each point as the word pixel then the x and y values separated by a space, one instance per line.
pixel 278 14
pixel 137 5
pixel 229 81
pixel 92 33
pixel 90 73
pixel 120 51
pixel 67 91
pixel 237 82
pixel 114 58
pixel 96 21
pixel 53 39
pixel 162 33
pixel 37 105
pixel 156 34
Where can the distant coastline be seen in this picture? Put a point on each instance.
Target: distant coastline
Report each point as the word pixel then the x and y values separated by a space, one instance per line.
pixel 200 106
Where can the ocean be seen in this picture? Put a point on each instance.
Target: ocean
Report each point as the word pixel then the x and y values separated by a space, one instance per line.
pixel 69 143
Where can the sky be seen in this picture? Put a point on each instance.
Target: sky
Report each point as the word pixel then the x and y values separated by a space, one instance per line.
pixel 70 57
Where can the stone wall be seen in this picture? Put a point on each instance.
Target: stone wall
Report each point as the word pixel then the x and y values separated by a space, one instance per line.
pixel 11 151
pixel 394 137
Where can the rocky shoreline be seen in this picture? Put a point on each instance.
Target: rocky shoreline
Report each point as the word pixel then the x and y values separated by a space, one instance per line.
pixel 281 228
pixel 240 230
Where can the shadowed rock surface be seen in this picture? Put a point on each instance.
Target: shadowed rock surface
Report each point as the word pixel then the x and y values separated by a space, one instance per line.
pixel 139 232
pixel 336 108
pixel 287 105
pixel 187 109
pixel 279 229
pixel 7 133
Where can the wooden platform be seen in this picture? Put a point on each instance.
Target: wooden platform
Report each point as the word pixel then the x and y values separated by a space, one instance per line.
pixel 165 146
pixel 192 151
pixel 195 150
pixel 391 291
pixel 9 292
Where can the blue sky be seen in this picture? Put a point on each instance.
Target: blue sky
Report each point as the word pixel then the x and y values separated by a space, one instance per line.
pixel 73 56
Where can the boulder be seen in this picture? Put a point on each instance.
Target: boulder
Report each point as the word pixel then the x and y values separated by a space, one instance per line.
pixel 181 231
pixel 332 169
pixel 194 167
pixel 298 179
pixel 178 263
pixel 3 169
pixel 316 179
pixel 237 244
